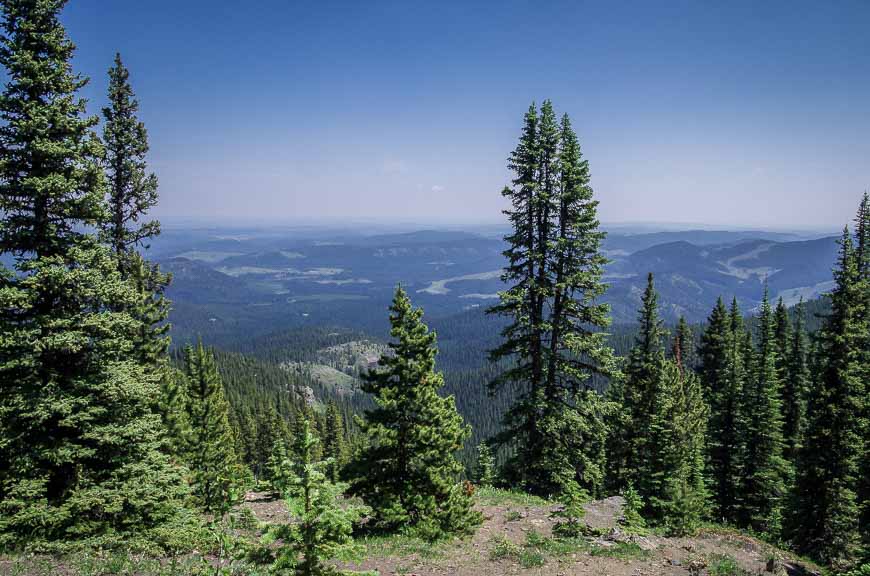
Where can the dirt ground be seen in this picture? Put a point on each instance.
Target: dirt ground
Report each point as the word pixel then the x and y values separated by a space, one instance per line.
pixel 514 539
pixel 654 555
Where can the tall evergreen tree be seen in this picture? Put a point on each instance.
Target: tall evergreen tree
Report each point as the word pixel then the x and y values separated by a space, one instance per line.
pixel 684 344
pixel 522 337
pixel 675 471
pixel 795 385
pixel 862 255
pixel 408 472
pixel 722 376
pixel 334 447
pixel 631 443
pixel 132 191
pixel 269 433
pixel 782 340
pixel 826 517
pixel 82 452
pixel 173 406
pixel 210 451
pixel 765 470
pixel 554 341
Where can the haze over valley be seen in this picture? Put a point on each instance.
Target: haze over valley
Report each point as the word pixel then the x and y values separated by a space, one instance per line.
pixel 230 282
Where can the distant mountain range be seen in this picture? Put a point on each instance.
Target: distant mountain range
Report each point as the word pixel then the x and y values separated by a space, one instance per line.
pixel 249 282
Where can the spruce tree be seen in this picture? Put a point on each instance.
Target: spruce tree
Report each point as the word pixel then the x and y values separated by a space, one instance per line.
pixel 319 527
pixel 571 513
pixel 684 345
pixel 713 350
pixel 674 474
pixel 630 442
pixel 722 385
pixel 765 471
pixel 631 521
pixel 825 521
pixel 173 405
pixel 795 385
pixel 270 432
pixel 522 338
pixel 82 452
pixel 408 472
pixel 782 340
pixel 726 445
pixel 554 341
pixel 334 449
pixel 485 472
pixel 216 472
pixel 862 254
pixel 132 191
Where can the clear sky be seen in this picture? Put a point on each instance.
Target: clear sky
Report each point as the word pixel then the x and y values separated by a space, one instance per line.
pixel 725 113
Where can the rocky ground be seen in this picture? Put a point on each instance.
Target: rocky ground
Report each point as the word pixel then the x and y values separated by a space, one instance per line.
pixel 516 538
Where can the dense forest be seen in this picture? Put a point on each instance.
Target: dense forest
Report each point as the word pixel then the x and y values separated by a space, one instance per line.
pixel 114 438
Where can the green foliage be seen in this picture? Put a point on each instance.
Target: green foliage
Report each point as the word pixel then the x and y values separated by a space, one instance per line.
pixel 570 523
pixel 631 521
pixel 334 449
pixel 825 519
pixel 217 477
pixel 722 376
pixel 725 566
pixel 485 472
pixel 408 472
pixel 659 439
pixel 132 190
pixel 279 467
pixel 553 342
pixel 320 528
pixel 83 456
pixel 676 484
pixel 621 550
pixel 684 346
pixel 489 496
pixel 794 392
pixel 765 471
pixel 131 193
pixel 631 444
pixel 513 515
pixel 504 549
pixel 862 570
pixel 529 555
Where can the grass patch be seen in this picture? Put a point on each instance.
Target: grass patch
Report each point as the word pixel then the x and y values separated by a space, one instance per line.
pixel 103 564
pixel 621 550
pixel 398 545
pixel 723 565
pixel 489 496
pixel 531 558
pixel 512 516
pixel 536 549
pixel 504 549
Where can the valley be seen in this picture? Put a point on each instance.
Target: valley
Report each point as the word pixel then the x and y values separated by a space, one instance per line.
pixel 230 283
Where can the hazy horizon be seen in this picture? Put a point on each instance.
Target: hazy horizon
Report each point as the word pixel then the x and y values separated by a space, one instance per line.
pixel 731 115
pixel 399 225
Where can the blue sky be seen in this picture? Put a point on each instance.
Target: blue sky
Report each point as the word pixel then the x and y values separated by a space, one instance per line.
pixel 725 113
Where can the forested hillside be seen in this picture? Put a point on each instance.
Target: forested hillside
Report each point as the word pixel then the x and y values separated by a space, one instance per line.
pixel 262 280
